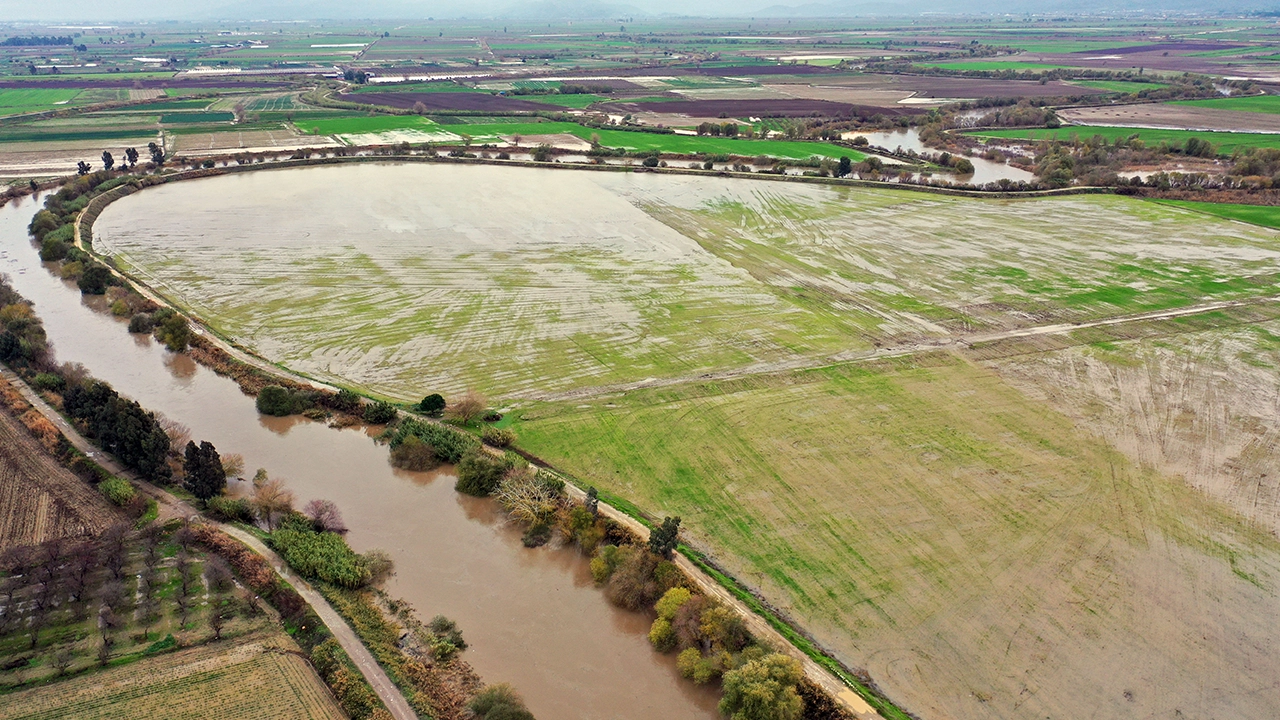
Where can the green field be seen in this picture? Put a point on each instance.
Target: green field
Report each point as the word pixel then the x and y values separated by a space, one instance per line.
pixel 1016 66
pixel 574 101
pixel 360 124
pixel 195 117
pixel 1118 85
pixel 1255 103
pixel 1226 142
pixel 1264 215
pixel 762 359
pixel 25 100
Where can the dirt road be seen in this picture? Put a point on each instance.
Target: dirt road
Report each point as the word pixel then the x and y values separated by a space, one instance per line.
pixel 171 506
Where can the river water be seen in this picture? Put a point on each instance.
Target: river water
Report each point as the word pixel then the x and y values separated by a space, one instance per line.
pixel 984 171
pixel 532 617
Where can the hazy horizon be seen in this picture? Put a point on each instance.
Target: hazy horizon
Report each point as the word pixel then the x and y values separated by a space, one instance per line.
pixel 144 10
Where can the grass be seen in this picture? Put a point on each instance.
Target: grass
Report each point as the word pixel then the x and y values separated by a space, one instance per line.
pixel 1255 103
pixel 1266 216
pixel 1226 142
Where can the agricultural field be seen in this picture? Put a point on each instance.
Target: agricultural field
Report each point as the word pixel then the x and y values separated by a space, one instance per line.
pixel 1226 142
pixel 1264 215
pixel 1256 103
pixel 15 101
pixel 256 676
pixel 685 343
pixel 40 500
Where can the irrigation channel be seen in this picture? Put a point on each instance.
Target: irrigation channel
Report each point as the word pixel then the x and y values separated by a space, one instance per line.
pixel 531 617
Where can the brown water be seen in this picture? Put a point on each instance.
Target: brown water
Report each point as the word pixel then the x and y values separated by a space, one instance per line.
pixel 532 617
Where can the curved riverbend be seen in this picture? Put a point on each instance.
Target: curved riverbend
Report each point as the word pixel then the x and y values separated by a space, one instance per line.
pixel 533 618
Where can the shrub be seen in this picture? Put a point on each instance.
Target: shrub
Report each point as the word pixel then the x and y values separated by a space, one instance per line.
pixel 414 454
pixel 379 413
pixel 174 332
pixel 449 444
pixel 491 416
pixel 325 556
pixel 118 490
pixel 355 696
pixel 499 438
pixel 537 535
pixel 662 636
pixel 499 702
pixel 52 249
pixel 605 562
pixel 671 602
pixel 228 509
pixel 763 689
pixel 480 473
pixel 49 381
pixel 345 400
pixel 279 401
pixel 583 528
pixel 433 405
pixel 631 585
pixel 650 162
pixel 94 280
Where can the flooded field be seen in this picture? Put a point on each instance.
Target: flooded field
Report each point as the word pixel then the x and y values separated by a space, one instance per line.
pixel 532 618
pixel 988 538
pixel 409 279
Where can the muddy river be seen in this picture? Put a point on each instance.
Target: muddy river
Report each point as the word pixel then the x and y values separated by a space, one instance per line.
pixel 984 171
pixel 532 617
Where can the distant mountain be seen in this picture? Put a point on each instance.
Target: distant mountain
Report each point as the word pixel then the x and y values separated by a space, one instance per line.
pixel 1001 7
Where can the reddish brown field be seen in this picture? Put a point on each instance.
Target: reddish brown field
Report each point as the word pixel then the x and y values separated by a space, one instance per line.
pixel 769 107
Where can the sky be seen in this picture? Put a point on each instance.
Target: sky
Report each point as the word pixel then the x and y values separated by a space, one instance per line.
pixel 133 10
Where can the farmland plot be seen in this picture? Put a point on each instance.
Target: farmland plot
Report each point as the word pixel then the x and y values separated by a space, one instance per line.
pixel 258 676
pixel 39 499
pixel 708 348
pixel 526 284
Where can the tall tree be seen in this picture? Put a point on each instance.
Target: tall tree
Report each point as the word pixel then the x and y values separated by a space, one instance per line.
pixel 205 475
pixel 663 539
pixel 108 161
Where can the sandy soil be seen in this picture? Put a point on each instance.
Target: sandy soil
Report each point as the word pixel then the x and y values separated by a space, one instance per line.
pixel 1176 117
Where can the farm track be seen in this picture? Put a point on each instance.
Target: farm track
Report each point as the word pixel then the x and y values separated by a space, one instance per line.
pixel 968 344
pixel 171 506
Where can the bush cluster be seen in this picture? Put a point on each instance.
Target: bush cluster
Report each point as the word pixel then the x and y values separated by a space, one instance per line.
pixel 324 555
pixel 447 444
pixel 480 473
pixel 118 490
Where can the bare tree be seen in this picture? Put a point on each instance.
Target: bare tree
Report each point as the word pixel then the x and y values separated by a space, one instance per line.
pixel 525 497
pixel 270 499
pixel 179 434
pixel 233 465
pixel 113 550
pixel 324 516
pixel 468 407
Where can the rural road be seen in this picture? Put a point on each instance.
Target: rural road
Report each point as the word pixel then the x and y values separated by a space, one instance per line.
pixel 172 506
